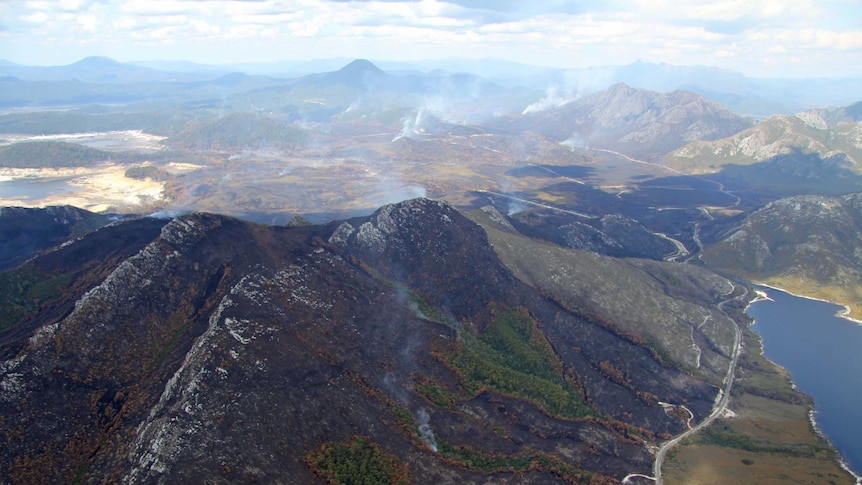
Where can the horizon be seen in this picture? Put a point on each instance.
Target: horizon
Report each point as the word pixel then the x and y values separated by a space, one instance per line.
pixel 347 60
pixel 773 39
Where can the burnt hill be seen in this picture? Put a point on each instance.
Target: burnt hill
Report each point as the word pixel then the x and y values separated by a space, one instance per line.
pixel 211 349
pixel 25 232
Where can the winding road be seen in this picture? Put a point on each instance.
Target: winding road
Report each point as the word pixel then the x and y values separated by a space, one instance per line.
pixel 538 204
pixel 718 409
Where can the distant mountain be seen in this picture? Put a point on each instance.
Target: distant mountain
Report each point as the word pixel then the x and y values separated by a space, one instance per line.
pixel 837 115
pixel 359 74
pixel 184 66
pixel 806 132
pixel 637 122
pixel 807 244
pixel 100 70
pixel 741 94
pixel 364 76
pixel 780 156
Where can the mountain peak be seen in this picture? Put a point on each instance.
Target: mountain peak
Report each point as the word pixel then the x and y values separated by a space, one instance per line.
pixel 361 74
pixel 96 61
pixel 360 66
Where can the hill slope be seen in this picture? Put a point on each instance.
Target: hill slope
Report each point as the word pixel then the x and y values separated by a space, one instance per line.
pixel 777 135
pixel 206 348
pixel 806 244
pixel 25 232
pixel 50 154
pixel 637 122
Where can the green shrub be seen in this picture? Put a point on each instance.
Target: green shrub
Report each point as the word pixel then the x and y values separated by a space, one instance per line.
pixel 358 461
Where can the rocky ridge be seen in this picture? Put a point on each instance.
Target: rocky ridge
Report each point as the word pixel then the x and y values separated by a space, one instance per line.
pixel 226 351
pixel 809 244
pixel 777 135
pixel 637 122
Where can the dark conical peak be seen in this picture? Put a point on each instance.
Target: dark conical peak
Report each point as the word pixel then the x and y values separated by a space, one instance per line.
pixel 95 61
pixel 360 74
pixel 360 66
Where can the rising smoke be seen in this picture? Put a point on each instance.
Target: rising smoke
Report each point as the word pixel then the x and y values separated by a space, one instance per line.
pixel 425 431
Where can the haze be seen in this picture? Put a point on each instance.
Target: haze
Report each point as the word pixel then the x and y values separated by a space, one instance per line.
pixel 772 38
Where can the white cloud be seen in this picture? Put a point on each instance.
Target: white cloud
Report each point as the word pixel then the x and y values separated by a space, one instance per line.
pixel 36 17
pixel 795 35
pixel 88 23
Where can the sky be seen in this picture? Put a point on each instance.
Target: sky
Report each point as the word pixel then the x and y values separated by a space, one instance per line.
pixel 763 38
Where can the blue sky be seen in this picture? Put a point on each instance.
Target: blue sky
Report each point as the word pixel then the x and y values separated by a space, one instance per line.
pixel 775 38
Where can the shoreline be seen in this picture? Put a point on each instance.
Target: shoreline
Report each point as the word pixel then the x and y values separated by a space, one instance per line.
pixel 812 411
pixel 844 312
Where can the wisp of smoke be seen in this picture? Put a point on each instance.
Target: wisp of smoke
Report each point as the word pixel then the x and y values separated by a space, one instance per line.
pixel 169 213
pixel 576 142
pixel 425 431
pixel 575 84
pixel 515 207
pixel 412 125
pixel 393 192
pixel 553 99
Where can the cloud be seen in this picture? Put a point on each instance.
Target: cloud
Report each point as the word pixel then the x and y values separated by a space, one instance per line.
pixel 734 34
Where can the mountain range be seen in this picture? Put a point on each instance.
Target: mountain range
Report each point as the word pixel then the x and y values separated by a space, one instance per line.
pixel 525 278
pixel 743 95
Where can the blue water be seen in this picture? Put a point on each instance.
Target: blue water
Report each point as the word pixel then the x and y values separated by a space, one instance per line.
pixel 823 354
pixel 27 190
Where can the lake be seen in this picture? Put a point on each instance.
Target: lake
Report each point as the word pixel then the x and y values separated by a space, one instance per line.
pixel 34 189
pixel 823 354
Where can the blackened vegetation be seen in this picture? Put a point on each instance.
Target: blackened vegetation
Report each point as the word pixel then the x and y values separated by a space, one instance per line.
pixel 206 348
pixel 789 174
pixel 26 232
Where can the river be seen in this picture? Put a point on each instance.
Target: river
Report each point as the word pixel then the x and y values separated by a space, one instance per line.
pixel 823 354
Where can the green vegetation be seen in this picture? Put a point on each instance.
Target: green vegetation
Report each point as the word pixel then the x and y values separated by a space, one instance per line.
pixel 23 290
pixel 358 461
pixel 49 154
pixel 427 310
pixel 770 440
pixel 723 435
pixel 144 172
pixel 437 394
pixel 472 459
pixel 512 357
pixel 241 130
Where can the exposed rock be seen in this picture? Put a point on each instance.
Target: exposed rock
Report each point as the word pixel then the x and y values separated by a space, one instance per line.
pixel 637 122
pixel 219 350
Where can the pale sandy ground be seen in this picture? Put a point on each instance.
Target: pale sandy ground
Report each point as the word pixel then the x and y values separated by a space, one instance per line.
pixel 97 189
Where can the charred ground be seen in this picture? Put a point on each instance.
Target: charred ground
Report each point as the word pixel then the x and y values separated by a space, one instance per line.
pixel 211 348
